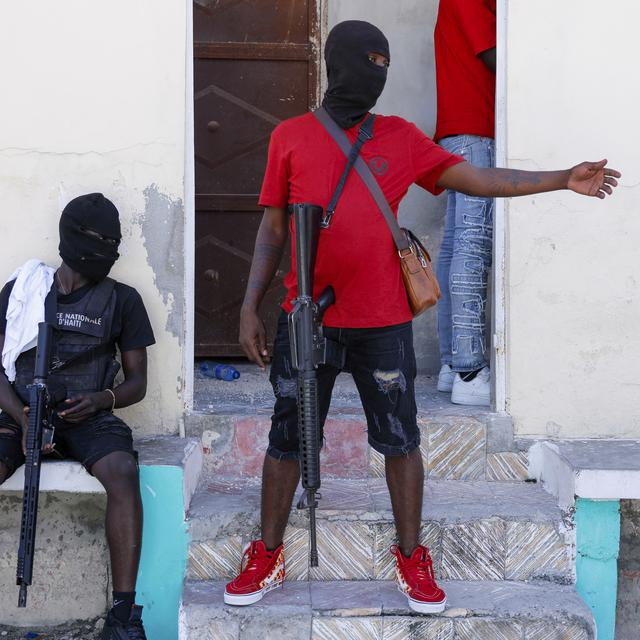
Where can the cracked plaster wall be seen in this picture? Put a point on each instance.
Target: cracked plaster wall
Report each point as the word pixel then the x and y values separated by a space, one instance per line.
pixel 573 274
pixel 410 92
pixel 94 100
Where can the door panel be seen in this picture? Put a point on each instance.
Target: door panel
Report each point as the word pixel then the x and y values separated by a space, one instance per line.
pixel 255 65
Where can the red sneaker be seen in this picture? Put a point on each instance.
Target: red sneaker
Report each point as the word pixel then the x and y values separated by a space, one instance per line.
pixel 417 581
pixel 263 572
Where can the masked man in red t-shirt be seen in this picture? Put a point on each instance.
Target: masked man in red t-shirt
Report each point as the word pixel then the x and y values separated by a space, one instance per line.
pixel 465 48
pixel 371 317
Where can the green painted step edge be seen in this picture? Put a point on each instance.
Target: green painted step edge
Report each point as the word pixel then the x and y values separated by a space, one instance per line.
pixel 598 545
pixel 165 545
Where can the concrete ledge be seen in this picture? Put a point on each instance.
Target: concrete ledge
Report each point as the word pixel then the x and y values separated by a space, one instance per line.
pixel 593 469
pixel 172 451
pixel 64 476
pixel 372 609
pixel 162 451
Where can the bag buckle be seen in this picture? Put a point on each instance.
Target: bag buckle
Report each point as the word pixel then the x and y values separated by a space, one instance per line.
pixel 326 219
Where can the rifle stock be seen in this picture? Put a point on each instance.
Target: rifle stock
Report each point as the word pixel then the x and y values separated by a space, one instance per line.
pixel 308 351
pixel 38 430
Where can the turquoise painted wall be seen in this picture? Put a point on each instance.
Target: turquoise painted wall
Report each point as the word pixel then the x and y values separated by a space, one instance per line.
pixel 598 544
pixel 164 550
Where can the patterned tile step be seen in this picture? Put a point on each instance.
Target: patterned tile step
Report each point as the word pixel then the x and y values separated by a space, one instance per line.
pixel 475 530
pixel 452 447
pixel 378 611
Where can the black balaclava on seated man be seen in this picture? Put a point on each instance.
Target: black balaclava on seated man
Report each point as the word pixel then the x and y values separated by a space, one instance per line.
pixel 355 83
pixel 90 235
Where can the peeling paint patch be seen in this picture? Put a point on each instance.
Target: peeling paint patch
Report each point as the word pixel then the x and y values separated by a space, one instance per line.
pixel 162 224
pixel 390 380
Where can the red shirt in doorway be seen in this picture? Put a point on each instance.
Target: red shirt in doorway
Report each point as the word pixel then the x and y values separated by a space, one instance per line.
pixel 356 254
pixel 466 87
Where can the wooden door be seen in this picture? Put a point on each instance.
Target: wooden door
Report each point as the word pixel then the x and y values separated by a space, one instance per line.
pixel 256 64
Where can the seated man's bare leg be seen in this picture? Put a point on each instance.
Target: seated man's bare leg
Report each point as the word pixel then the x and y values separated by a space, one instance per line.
pixel 118 473
pixel 279 482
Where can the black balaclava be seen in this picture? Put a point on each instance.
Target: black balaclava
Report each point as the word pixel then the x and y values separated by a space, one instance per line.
pixel 355 83
pixel 90 235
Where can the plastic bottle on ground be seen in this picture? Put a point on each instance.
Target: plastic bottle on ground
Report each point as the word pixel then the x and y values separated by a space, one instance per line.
pixel 219 371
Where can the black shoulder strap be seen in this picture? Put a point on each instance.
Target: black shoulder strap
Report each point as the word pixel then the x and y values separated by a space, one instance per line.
pixel 100 297
pixel 365 174
pixel 365 132
pixel 51 306
pixel 96 351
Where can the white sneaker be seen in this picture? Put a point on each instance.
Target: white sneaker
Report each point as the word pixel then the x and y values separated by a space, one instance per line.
pixel 474 392
pixel 445 378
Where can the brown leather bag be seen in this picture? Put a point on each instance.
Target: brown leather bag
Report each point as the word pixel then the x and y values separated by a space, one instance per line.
pixel 423 290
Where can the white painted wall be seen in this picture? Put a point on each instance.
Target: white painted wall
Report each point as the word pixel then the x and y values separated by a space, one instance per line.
pixel 411 93
pixel 573 264
pixel 94 100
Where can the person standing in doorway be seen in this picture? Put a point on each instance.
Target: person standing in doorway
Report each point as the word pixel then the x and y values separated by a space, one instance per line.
pixel 465 52
pixel 371 318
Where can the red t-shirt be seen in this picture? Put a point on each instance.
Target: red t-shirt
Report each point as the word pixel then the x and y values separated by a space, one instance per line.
pixel 356 254
pixel 466 87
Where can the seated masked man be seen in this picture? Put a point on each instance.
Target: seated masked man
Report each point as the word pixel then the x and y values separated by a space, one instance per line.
pixel 91 314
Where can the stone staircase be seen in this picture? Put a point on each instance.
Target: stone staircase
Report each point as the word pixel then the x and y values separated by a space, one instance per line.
pixel 502 548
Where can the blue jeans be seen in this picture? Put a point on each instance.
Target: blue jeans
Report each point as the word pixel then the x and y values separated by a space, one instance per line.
pixel 464 264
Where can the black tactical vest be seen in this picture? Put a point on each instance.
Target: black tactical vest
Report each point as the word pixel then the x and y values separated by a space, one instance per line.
pixel 82 327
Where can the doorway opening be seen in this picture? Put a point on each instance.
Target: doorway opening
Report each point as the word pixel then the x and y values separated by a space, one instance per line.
pixel 255 64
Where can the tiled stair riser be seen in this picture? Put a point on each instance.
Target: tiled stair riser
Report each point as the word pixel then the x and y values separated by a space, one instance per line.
pixel 453 448
pixel 399 628
pixel 492 549
pixel 475 531
pixel 386 628
pixel 359 611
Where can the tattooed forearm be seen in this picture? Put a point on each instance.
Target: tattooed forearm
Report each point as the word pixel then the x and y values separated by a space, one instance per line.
pixel 266 259
pixel 272 237
pixel 501 183
pixel 508 182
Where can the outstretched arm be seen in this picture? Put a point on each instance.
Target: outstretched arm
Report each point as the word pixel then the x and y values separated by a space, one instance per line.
pixel 270 242
pixel 588 178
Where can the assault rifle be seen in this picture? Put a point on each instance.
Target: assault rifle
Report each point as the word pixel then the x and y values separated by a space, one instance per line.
pixel 39 435
pixel 309 348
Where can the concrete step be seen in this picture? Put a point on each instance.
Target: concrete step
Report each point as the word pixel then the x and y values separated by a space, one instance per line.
pixel 71 566
pixel 232 420
pixel 253 392
pixel 593 469
pixel 378 611
pixel 476 530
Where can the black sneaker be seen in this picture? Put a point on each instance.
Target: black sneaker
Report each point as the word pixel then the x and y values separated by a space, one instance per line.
pixel 131 630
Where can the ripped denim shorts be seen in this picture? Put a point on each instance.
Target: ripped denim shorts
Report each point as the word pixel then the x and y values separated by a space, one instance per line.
pixel 383 365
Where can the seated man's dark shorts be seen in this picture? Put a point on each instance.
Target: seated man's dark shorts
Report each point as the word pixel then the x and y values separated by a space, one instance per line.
pixel 383 365
pixel 87 442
